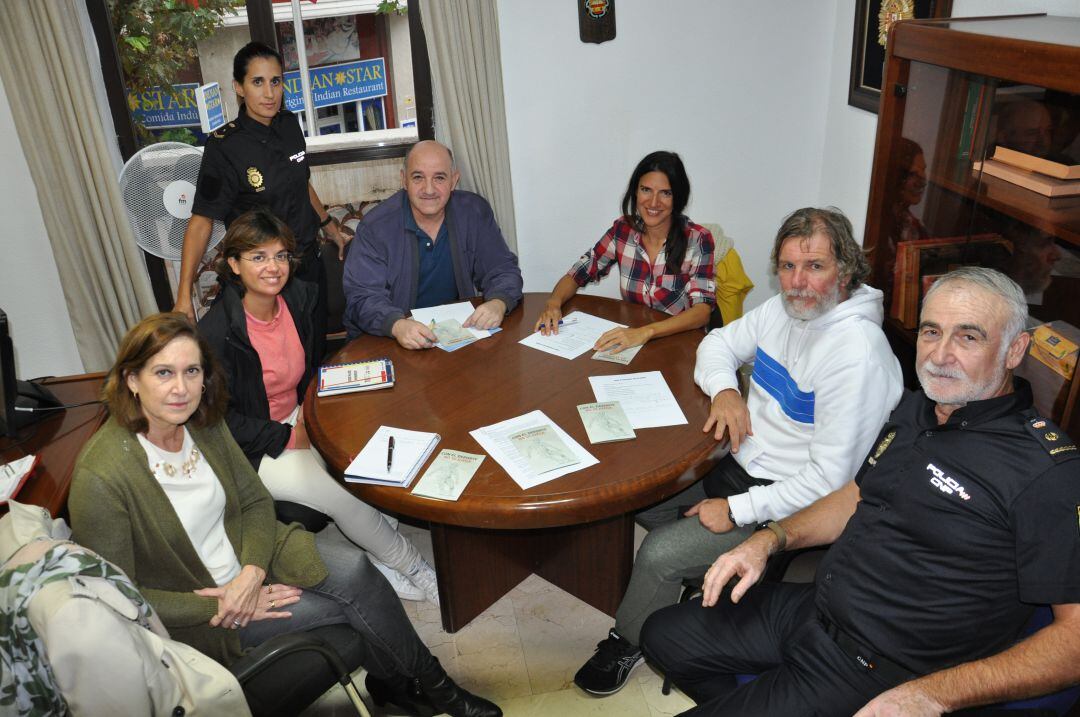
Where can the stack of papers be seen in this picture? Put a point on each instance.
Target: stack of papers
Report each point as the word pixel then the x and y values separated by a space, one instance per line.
pixel 577 334
pixel 645 398
pixel 450 335
pixel 498 440
pixel 411 451
pixel 448 474
pixel 459 312
pixel 13 475
pixel 355 376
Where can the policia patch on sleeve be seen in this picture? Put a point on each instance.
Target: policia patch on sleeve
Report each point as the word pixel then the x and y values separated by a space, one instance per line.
pixel 1053 440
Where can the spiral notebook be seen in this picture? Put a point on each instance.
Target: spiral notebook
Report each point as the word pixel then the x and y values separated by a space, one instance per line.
pixel 355 376
pixel 411 451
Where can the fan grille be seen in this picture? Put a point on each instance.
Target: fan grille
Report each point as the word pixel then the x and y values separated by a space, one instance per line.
pixel 157 185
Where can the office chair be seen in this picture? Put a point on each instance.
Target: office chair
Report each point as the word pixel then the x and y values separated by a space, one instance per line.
pixel 287 673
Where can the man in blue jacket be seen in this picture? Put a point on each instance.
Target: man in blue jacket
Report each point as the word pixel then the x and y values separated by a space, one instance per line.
pixel 428 245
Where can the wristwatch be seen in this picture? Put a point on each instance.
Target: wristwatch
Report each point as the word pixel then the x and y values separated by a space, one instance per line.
pixel 777 529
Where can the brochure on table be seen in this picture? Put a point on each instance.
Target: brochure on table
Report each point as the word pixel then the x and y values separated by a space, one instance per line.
pixel 496 440
pixel 605 422
pixel 460 312
pixel 577 334
pixel 543 449
pixel 615 356
pixel 448 474
pixel 645 398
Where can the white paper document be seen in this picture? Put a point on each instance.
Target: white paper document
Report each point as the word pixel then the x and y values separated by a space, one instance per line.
pixel 495 439
pixel 576 336
pixel 13 475
pixel 645 398
pixel 460 311
pixel 411 450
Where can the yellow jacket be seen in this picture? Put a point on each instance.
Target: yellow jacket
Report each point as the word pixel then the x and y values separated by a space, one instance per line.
pixel 732 283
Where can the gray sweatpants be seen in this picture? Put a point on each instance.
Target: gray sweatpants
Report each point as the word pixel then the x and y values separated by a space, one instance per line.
pixel 677 548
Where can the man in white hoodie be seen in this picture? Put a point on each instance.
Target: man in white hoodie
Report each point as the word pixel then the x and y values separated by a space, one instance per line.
pixel 823 383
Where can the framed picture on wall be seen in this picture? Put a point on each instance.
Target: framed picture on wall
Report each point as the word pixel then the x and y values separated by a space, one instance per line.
pixel 873 18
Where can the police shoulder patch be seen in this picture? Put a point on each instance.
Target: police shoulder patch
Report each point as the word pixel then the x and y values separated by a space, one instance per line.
pixel 882 446
pixel 225 130
pixel 1053 440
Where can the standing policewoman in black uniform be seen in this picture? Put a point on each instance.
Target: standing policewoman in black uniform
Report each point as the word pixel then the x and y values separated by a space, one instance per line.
pixel 259 159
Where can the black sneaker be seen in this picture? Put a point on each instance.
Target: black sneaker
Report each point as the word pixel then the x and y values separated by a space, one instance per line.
pixel 607 670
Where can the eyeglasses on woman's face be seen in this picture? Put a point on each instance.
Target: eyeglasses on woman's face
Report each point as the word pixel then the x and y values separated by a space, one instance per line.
pixel 262 258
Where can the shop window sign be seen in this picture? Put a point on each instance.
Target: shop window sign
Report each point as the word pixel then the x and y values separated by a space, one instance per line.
pixel 211 108
pixel 158 108
pixel 337 84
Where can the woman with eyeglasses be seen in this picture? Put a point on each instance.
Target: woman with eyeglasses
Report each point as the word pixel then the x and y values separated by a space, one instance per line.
pixel 665 261
pixel 164 492
pixel 261 330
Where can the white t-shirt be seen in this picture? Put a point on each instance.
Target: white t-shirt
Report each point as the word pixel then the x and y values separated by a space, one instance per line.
pixel 199 501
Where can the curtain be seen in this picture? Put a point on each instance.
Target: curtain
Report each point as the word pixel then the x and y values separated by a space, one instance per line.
pixel 44 70
pixel 470 114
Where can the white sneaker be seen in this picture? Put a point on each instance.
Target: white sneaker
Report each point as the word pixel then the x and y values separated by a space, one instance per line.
pixel 422 576
pixel 405 589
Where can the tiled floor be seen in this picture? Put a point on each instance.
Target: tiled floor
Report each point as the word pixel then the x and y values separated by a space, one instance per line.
pixel 522 653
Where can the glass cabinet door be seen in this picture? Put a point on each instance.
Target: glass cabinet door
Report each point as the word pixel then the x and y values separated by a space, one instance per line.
pixel 955 194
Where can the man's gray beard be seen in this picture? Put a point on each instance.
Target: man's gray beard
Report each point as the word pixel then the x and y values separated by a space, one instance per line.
pixel 970 391
pixel 825 302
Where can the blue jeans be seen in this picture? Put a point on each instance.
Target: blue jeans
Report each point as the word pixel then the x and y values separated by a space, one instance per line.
pixel 353 592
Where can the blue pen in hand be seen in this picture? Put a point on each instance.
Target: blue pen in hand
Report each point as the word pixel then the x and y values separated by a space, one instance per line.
pixel 562 322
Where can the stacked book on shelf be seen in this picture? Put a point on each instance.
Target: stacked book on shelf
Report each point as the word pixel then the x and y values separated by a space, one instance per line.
pixel 1046 177
pixel 920 262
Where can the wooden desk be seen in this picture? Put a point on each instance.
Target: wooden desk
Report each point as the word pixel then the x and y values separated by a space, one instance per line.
pixel 575 531
pixel 57 440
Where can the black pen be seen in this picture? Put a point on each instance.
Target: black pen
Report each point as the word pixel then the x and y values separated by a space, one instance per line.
pixel 389 454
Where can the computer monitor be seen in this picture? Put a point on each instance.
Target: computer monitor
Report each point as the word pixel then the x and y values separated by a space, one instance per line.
pixel 8 390
pixel 33 400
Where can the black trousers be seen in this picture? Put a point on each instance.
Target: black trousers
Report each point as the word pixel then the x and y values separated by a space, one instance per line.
pixel 773 632
pixel 312 269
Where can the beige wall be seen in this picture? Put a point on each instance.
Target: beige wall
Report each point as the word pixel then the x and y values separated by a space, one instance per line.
pixel 215 58
pixel 357 181
pixel 400 61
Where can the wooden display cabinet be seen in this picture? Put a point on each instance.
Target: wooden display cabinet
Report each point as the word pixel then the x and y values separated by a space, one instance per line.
pixel 953 90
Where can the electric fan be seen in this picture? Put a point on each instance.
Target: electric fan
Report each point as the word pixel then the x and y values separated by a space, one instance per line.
pixel 158 187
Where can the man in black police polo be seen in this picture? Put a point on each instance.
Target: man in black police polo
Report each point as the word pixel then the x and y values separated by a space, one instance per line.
pixel 962 518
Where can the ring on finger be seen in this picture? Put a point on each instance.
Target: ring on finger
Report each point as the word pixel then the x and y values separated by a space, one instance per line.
pixel 269 589
pixel 272 604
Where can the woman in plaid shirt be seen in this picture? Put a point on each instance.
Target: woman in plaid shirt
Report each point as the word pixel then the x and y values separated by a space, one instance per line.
pixel 665 261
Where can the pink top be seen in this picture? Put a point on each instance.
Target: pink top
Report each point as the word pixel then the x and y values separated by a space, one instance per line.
pixel 282 357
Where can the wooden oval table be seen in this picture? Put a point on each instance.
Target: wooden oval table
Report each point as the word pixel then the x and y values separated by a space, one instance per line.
pixel 575 531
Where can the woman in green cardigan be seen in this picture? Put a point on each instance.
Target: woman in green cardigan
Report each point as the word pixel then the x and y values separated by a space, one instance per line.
pixel 164 492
